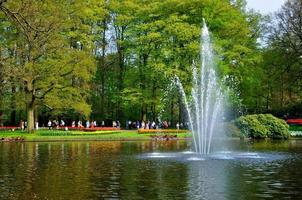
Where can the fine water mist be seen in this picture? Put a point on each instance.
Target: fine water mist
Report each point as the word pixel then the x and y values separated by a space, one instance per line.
pixel 205 107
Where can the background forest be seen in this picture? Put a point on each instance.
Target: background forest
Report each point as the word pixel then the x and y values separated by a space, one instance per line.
pixel 116 59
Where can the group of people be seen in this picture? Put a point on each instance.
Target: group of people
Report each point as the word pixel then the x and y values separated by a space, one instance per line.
pixel 23 125
pixel 55 124
pixel 151 125
pixel 116 124
pixel 80 124
pixel 88 124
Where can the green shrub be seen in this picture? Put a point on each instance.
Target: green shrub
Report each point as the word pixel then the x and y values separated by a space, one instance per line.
pixel 277 128
pixel 263 126
pixel 251 127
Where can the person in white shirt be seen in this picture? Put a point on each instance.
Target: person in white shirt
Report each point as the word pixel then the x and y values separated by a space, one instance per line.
pixel 143 125
pixel 49 124
pixel 37 125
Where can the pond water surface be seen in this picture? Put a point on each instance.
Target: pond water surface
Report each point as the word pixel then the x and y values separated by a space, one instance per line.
pixel 150 170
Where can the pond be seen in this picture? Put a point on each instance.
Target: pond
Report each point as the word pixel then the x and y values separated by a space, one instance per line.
pixel 150 170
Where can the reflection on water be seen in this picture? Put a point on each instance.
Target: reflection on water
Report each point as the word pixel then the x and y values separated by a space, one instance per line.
pixel 119 170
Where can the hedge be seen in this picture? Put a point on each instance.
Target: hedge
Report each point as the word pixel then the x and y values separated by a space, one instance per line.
pixel 263 126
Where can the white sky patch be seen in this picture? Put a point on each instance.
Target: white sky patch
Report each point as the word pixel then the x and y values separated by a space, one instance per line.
pixel 265 6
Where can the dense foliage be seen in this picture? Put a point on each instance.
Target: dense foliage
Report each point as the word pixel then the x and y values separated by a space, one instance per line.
pixel 114 60
pixel 281 72
pixel 263 126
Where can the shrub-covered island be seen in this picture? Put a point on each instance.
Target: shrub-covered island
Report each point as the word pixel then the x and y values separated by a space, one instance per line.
pixel 263 126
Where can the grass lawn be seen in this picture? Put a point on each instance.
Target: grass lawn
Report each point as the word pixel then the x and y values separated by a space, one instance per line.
pixel 295 128
pixel 57 135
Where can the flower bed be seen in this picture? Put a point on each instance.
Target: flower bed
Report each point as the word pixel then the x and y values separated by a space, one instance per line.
pixel 5 128
pixel 60 132
pixel 294 121
pixel 144 131
pixel 296 133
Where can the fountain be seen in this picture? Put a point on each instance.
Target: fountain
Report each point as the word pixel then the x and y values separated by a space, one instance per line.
pixel 205 107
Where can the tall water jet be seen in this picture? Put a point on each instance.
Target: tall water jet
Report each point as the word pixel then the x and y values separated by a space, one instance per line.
pixel 205 107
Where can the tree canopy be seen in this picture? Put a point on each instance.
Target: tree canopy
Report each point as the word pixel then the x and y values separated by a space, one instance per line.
pixel 114 60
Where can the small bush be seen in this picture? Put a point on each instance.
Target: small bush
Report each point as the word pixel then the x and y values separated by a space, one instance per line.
pixel 251 127
pixel 277 128
pixel 263 126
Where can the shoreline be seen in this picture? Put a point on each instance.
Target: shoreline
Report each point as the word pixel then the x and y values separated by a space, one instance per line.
pixel 129 139
pixel 62 136
pixel 94 140
pixel 106 136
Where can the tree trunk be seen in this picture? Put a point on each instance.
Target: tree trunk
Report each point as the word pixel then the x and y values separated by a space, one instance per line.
pixel 13 106
pixel 143 85
pixel 102 109
pixel 119 32
pixel 30 93
pixel 153 106
pixel 103 68
pixel 30 117
pixel 282 91
pixel 13 117
pixel 144 112
pixel 1 113
pixel 119 111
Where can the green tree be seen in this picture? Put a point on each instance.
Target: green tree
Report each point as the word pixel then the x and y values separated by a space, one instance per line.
pixel 52 74
pixel 136 46
pixel 282 60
